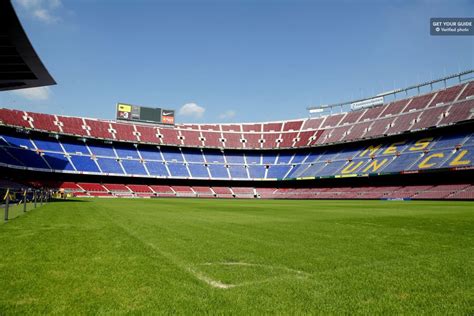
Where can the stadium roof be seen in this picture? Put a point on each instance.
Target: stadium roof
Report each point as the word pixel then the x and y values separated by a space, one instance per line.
pixel 20 66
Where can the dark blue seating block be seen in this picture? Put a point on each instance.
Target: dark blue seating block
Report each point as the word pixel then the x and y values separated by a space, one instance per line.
pixel 347 154
pixel 19 141
pixel 73 147
pixel 102 150
pixel 157 169
pixel 27 157
pixel 315 156
pixel 151 153
pixel 218 171
pixel 448 142
pixel 238 172
pixel 331 168
pixel 253 158
pixel 235 158
pixel 193 155
pixel 8 159
pixel 213 156
pixel 277 171
pixel 299 157
pixel 285 157
pixel 172 154
pixel 269 158
pixel 84 164
pixel 109 165
pixel 58 161
pixel 402 162
pixel 127 152
pixel 48 145
pixel 198 170
pixel 310 171
pixel 178 170
pixel 133 167
pixel 257 171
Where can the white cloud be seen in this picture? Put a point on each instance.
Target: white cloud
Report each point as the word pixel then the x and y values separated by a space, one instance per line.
pixel 28 4
pixel 227 115
pixel 192 110
pixel 33 94
pixel 42 10
pixel 45 16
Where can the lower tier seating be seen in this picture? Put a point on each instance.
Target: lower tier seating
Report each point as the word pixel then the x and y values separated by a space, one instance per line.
pixel 461 191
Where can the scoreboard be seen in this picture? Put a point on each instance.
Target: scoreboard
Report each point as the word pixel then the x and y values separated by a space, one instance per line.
pixel 135 113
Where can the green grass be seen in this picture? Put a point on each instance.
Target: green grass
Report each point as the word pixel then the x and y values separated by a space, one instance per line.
pixel 196 256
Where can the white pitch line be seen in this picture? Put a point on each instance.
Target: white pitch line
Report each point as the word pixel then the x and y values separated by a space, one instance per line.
pixel 256 265
pixel 180 264
pixel 209 281
pixel 202 277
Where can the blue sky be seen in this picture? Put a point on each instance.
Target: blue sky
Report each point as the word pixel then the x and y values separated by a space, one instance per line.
pixel 233 60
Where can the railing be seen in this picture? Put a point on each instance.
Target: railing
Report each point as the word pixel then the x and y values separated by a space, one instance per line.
pixel 16 202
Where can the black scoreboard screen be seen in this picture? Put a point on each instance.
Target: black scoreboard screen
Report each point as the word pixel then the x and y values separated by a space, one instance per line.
pixel 129 112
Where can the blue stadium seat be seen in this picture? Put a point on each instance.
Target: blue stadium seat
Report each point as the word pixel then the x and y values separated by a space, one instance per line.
pixel 253 158
pixel 48 145
pixel 27 157
pixel 19 141
pixel 305 170
pixel 102 150
pixel 235 158
pixel 74 147
pixel 449 142
pixel 257 171
pixel 285 157
pixel 465 156
pixel 331 168
pixel 157 169
pixel 84 163
pixel 110 165
pixel 299 157
pixel 198 170
pixel 8 159
pixel 172 154
pixel 125 151
pixel 218 171
pixel 277 171
pixel 178 170
pixel 348 153
pixel 402 162
pixel 297 171
pixel 469 141
pixel 269 158
pixel 213 156
pixel 133 167
pixel 314 156
pixel 193 155
pixel 58 161
pixel 238 172
pixel 151 153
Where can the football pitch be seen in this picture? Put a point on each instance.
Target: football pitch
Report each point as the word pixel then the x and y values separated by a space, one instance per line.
pixel 196 256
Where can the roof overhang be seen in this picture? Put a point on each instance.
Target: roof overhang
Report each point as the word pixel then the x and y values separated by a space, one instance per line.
pixel 20 66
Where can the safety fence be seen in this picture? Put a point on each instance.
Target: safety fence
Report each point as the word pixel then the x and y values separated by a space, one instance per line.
pixel 16 202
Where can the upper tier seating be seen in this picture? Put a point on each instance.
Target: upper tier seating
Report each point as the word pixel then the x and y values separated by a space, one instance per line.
pixel 443 107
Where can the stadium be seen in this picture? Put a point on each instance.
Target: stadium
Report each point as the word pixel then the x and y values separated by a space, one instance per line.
pixel 363 206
